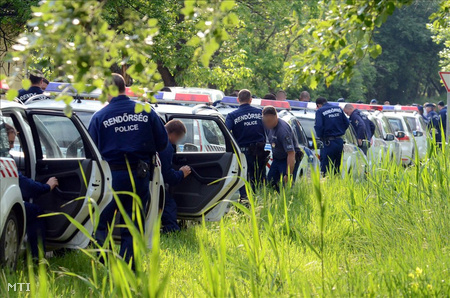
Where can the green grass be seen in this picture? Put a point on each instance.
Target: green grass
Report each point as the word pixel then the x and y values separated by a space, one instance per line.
pixel 386 236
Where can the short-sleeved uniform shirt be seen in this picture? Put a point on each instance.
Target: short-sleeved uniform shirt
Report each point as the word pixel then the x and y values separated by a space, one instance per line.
pixel 24 95
pixel 282 140
pixel 246 125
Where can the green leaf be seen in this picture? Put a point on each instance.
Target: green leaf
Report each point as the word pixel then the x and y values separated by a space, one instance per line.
pixel 26 84
pixel 226 5
pixel 152 22
pixel 12 94
pixel 139 108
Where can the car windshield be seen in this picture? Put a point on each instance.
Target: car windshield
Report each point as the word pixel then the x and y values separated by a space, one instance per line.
pixel 396 124
pixel 386 126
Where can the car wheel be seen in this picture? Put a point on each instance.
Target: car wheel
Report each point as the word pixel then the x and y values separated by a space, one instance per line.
pixel 9 242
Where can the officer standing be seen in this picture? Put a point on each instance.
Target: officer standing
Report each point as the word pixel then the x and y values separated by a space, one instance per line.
pixel 176 131
pixel 433 121
pixel 364 128
pixel 35 89
pixel 126 139
pixel 246 125
pixel 304 96
pixel 285 148
pixel 443 116
pixel 330 126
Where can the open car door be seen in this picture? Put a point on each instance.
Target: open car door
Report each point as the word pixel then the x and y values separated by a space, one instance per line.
pixel 65 150
pixel 214 157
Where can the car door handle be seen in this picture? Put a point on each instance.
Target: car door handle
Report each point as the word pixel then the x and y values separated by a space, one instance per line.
pixel 201 179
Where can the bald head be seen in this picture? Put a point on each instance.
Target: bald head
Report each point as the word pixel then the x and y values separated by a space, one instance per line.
pixel 348 109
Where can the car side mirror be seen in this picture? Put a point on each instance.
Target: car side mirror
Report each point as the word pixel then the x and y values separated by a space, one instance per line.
pixel 319 144
pixel 417 133
pixel 389 137
pixel 400 134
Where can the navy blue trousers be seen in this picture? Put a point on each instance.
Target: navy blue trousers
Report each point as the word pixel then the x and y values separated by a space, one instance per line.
pixel 121 182
pixel 278 169
pixel 35 228
pixel 256 172
pixel 169 215
pixel 330 156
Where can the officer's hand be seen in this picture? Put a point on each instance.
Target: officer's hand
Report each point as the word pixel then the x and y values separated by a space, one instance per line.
pixel 360 142
pixel 186 170
pixel 53 182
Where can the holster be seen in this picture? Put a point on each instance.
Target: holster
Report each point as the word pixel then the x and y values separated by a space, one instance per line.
pixel 144 168
pixel 299 155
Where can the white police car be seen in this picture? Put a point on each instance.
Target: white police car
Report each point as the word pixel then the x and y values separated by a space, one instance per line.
pixel 12 210
pixel 50 144
pixel 419 131
pixel 309 161
pixel 208 148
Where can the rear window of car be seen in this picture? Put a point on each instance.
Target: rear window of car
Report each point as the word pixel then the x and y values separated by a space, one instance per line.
pixel 308 126
pixel 396 124
pixel 412 123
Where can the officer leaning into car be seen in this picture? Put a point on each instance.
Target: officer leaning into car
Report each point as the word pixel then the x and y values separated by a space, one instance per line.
pixel 330 127
pixel 433 121
pixel 285 148
pixel 126 140
pixel 364 128
pixel 246 125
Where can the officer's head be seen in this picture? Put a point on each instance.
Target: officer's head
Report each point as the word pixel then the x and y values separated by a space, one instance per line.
pixel 429 107
pixel 304 96
pixel 176 130
pixel 118 81
pixel 441 104
pixel 387 103
pixel 36 80
pixel 11 132
pixel 281 95
pixel 245 96
pixel 320 102
pixel 348 109
pixel 44 84
pixel 270 117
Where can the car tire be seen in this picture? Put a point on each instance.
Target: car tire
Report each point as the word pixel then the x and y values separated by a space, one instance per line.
pixel 10 242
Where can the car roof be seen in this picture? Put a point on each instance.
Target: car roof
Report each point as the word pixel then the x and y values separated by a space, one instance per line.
pixel 80 105
pixel 6 104
pixel 302 114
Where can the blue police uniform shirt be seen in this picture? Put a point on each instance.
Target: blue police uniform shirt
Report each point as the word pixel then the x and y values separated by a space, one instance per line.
pixel 30 188
pixel 118 131
pixel 170 176
pixel 433 120
pixel 443 116
pixel 359 125
pixel 246 125
pixel 24 95
pixel 330 121
pixel 282 140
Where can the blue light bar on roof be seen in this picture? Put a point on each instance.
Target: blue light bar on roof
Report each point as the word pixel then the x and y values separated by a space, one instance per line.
pixel 230 100
pixel 159 95
pixel 297 104
pixel 56 87
pixel 388 108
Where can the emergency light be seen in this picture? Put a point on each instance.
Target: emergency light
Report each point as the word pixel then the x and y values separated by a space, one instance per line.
pixel 58 87
pixel 302 105
pixel 185 98
pixel 3 85
pixel 233 101
pixel 399 108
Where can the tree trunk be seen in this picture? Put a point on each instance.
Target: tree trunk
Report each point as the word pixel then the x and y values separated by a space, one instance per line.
pixel 166 75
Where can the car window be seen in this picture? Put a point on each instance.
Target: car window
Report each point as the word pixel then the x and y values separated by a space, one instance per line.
pixel 378 133
pixel 58 137
pixel 85 117
pixel 396 124
pixel 412 123
pixel 386 125
pixel 298 131
pixel 11 141
pixel 308 127
pixel 202 136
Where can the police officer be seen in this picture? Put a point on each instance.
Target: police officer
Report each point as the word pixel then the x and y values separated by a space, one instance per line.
pixel 330 126
pixel 443 116
pixel 32 190
pixel 246 125
pixel 421 113
pixel 364 128
pixel 176 130
pixel 126 139
pixel 433 121
pixel 35 89
pixel 285 148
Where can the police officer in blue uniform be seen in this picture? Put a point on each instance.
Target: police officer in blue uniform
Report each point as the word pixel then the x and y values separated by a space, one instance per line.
pixel 246 125
pixel 434 124
pixel 364 128
pixel 176 130
pixel 285 148
pixel 126 139
pixel 31 190
pixel 35 89
pixel 330 126
pixel 443 116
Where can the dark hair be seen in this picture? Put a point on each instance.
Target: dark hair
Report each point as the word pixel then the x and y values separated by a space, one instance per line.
pixel 269 110
pixel 244 95
pixel 35 79
pixel 304 94
pixel 165 89
pixel 441 103
pixel 321 101
pixel 45 81
pixel 176 126
pixel 270 96
pixel 119 81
